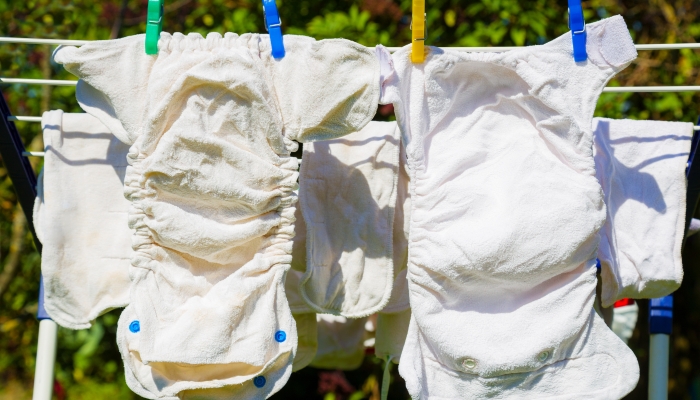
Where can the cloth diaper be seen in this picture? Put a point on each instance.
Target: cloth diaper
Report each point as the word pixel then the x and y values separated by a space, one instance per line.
pixel 641 167
pixel 80 216
pixel 348 197
pixel 211 184
pixel 363 262
pixel 504 222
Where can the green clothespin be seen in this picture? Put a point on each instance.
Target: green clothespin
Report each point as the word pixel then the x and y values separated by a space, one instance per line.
pixel 154 24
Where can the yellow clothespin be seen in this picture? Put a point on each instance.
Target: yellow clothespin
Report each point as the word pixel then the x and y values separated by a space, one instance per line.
pixel 418 30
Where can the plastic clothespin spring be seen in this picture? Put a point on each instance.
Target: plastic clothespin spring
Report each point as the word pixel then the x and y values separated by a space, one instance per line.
pixel 273 25
pixel 577 25
pixel 154 24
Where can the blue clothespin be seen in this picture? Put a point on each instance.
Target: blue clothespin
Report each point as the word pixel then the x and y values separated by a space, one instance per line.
pixel 273 25
pixel 577 25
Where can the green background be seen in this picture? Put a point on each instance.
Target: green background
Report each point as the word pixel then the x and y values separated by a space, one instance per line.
pixel 88 363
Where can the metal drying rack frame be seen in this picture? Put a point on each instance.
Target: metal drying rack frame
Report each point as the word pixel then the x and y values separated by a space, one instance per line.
pixel 23 178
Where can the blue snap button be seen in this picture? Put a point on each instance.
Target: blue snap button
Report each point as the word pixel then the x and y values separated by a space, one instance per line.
pixel 134 326
pixel 280 336
pixel 259 381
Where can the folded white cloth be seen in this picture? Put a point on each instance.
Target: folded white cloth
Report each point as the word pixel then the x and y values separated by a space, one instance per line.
pixel 80 216
pixel 504 221
pixel 348 196
pixel 211 184
pixel 641 167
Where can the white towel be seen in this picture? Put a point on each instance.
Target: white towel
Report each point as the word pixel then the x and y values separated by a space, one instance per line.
pixel 641 167
pixel 80 216
pixel 211 185
pixel 504 221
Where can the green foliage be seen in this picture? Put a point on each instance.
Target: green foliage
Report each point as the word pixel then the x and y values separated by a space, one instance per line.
pixel 89 365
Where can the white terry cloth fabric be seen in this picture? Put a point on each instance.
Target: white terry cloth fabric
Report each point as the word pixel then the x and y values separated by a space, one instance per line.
pixel 80 216
pixel 211 182
pixel 504 221
pixel 641 167
pixel 340 342
pixel 347 197
pixel 624 320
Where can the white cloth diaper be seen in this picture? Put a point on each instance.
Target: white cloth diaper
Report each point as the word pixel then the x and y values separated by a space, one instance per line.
pixel 504 221
pixel 353 238
pixel 641 167
pixel 211 184
pixel 347 197
pixel 80 216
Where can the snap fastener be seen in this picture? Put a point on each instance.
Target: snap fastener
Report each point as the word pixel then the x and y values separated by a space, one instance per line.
pixel 134 326
pixel 543 356
pixel 280 336
pixel 469 363
pixel 259 381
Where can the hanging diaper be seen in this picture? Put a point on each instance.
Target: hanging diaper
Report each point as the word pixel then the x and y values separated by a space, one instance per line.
pixel 80 216
pixel 641 167
pixel 347 198
pixel 504 221
pixel 351 237
pixel 211 184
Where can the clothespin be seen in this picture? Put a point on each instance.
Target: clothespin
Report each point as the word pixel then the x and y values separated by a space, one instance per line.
pixel 273 25
pixel 154 24
pixel 577 25
pixel 418 31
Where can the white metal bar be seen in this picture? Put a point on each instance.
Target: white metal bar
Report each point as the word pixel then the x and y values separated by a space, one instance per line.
pixel 24 119
pixel 33 153
pixel 45 360
pixel 49 82
pixel 658 366
pixel 659 46
pixel 650 89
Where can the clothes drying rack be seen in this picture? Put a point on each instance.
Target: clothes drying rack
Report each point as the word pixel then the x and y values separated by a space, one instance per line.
pixel 24 181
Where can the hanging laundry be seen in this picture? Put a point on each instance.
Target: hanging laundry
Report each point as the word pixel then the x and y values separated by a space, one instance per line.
pixel 360 236
pixel 641 167
pixel 211 184
pixel 504 221
pixel 348 197
pixel 80 217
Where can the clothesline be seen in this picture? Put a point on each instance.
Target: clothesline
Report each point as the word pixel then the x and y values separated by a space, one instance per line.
pixel 68 42
pixel 626 89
